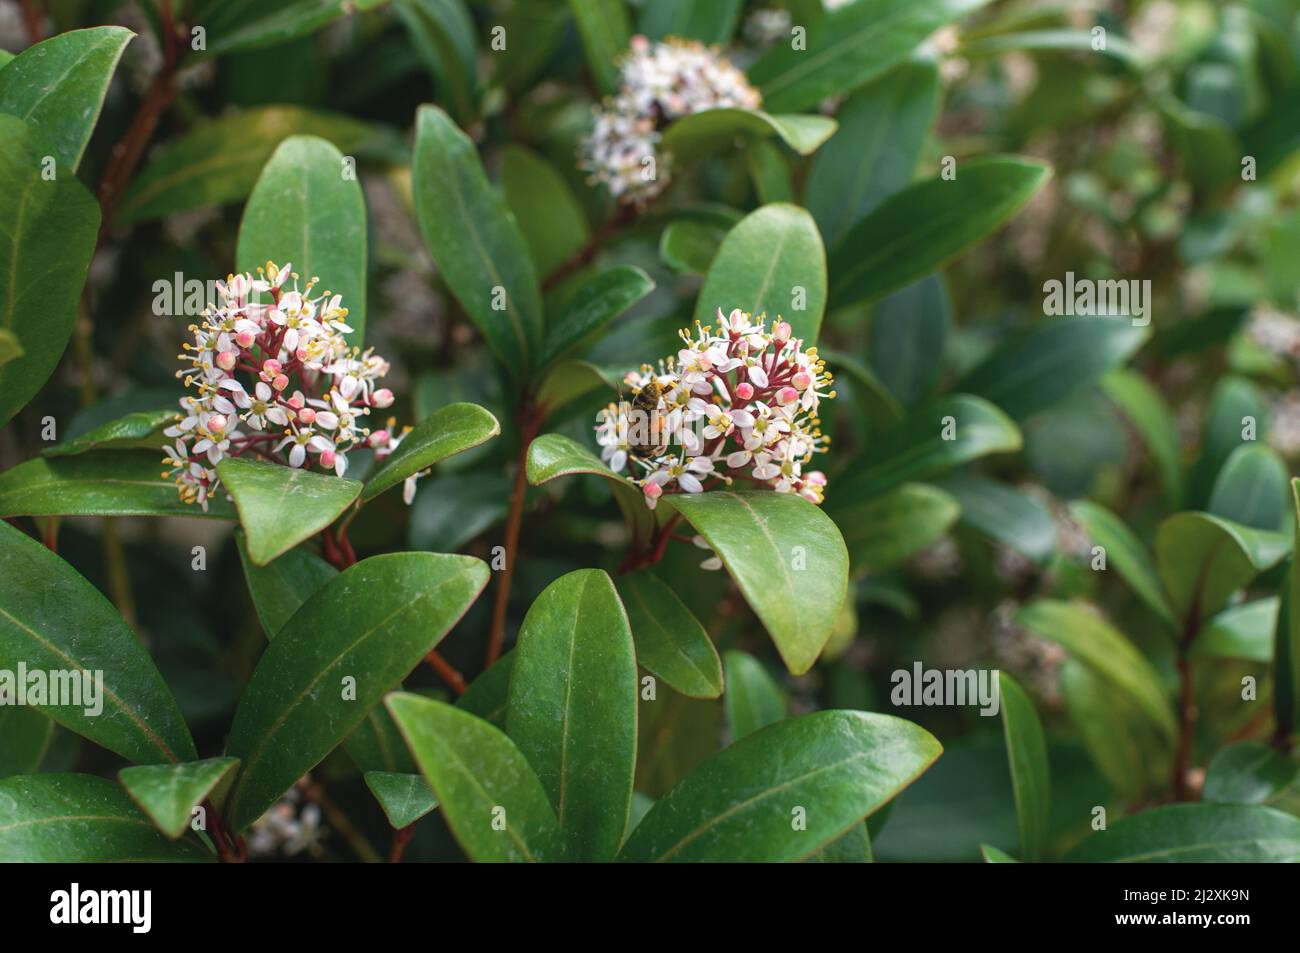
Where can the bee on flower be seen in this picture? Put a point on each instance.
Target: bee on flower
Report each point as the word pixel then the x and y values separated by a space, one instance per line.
pixel 738 403
pixel 274 377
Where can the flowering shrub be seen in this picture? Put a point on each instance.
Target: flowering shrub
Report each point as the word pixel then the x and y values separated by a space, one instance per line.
pixel 984 419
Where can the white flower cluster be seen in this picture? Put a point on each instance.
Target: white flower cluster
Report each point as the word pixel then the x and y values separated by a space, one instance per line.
pixel 1275 331
pixel 305 395
pixel 738 402
pixel 661 82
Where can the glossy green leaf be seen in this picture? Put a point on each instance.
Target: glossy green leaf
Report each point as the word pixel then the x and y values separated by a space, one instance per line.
pixel 769 263
pixel 1051 361
pixel 670 642
pixel 837 766
pixel 1203 559
pixel 109 483
pixel 58 87
pixel 572 708
pixel 490 797
pixel 1027 754
pixel 444 35
pixel 235 25
pixel 45 251
pixel 753 699
pixel 786 556
pixel 567 379
pixel 168 793
pixel 769 170
pixel 1125 554
pixel 1116 48
pixel 606 33
pixel 47 611
pixel 1196 833
pixel 1147 411
pixel 1105 651
pixel 134 431
pixel 554 455
pixel 874 153
pixel 306 209
pixel 352 642
pixel 916 449
pixel 1237 412
pixel 377 745
pixel 914 232
pixel 488 696
pixel 219 161
pixel 27 735
pixel 1005 513
pixel 405 798
pixel 10 348
pixel 710 130
pixel 688 247
pixel 852 847
pixel 552 221
pixel 874 409
pixel 709 21
pixel 1252 490
pixel 676 734
pixel 848 47
pixel 280 587
pixel 1249 772
pixel 882 531
pixel 597 302
pixel 281 506
pixel 908 329
pixel 447 431
pixel 1120 739
pixel 1242 631
pixel 78 818
pixel 1286 642
pixel 992 855
pixel 451 510
pixel 475 241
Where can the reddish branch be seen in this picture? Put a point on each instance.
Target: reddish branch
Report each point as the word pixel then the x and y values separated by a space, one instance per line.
pixel 448 673
pixel 529 423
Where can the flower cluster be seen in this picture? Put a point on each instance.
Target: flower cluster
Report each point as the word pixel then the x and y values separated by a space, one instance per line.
pixel 661 82
pixel 738 402
pixel 305 395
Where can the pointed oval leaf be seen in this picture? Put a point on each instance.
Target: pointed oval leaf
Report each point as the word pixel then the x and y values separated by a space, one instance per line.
pixel 1027 754
pixel 1203 559
pixel 168 793
pixel 753 699
pixel 554 455
pixel 1196 833
pixel 405 798
pixel 992 855
pixel 1126 554
pixel 550 218
pixel 488 696
pixel 27 735
pixel 280 587
pixel 1005 513
pixel 235 25
pixel 78 818
pixel 373 623
pixel 1242 631
pixel 1249 772
pixel 606 32
pixel 710 130
pixel 444 433
pixel 838 766
pixel 763 262
pixel 1149 413
pixel 670 642
pixel 883 531
pixel 908 329
pixel 1252 489
pixel 134 431
pixel 307 210
pixel 281 506
pixel 492 800
pixel 572 708
pixel 596 303
pixel 47 613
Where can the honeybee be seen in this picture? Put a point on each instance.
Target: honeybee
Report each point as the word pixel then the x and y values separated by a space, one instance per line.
pixel 647 425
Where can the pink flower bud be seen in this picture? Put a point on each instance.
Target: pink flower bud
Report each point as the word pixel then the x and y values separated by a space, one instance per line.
pixel 217 423
pixel 379 438
pixel 280 383
pixel 271 367
pixel 301 354
pixel 745 391
pixel 816 478
pixel 653 491
pixel 306 415
pixel 226 360
pixel 781 332
pixel 327 459
pixel 382 397
pixel 802 380
pixel 786 395
pixel 245 339
pixel 297 401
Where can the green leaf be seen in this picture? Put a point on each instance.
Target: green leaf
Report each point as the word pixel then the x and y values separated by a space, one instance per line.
pixel 449 511
pixel 405 798
pixel 1240 632
pixel 235 25
pixel 762 265
pixel 1126 554
pixel 1234 400
pixel 572 708
pixel 875 409
pixel 597 302
pixel 10 349
pixel 168 793
pixel 554 455
pixel 1027 754
pixel 78 818
pixel 377 745
pixel 281 506
pixel 1203 559
pixel 475 241
pixel 1105 651
pixel 373 624
pixel 280 587
pixel 45 251
pixel 307 210
pixel 488 696
pixel 490 797
pixel 552 221
pixel 109 483
pixel 566 380
pixel 882 531
pixel 838 766
pixel 219 161
pixel 1005 513
pixel 709 21
pixel 753 700
pixel 447 431
pixel 712 130
pixel 1196 833
pixel 1208 146
pixel 1286 643
pixel 849 47
pixel 27 735
pixel 688 246
pixel 873 154
pixel 1251 489
pixel 58 87
pixel 907 335
pixel 854 847
pixel 606 33
pixel 1116 48
pixel 769 170
pixel 1147 411
pixel 786 556
pixel 1121 740
pixel 914 232
pixel 443 33
pixel 670 642
pixel 1051 361
pixel 140 429
pixel 1249 772
pixel 992 855
pixel 916 449
pixel 48 613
